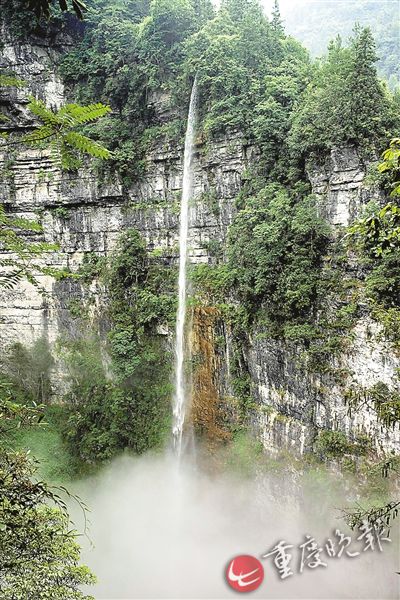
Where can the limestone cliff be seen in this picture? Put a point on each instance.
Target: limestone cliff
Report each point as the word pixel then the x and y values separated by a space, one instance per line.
pixel 85 214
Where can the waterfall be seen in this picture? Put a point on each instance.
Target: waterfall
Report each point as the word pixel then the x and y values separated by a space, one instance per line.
pixel 180 400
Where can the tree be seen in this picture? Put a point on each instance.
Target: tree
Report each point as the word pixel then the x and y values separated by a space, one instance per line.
pixel 240 9
pixel 204 10
pixel 304 19
pixel 275 250
pixel 162 33
pixel 345 103
pixel 364 91
pixel 276 22
pixel 271 121
pixel 233 55
pixel 39 555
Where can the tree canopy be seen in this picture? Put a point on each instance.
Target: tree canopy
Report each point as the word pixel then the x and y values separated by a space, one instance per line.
pixel 39 553
pixel 345 102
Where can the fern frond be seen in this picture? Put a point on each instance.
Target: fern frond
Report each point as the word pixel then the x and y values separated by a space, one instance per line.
pixel 85 144
pixel 39 135
pixel 56 155
pixel 11 263
pixel 3 217
pixel 41 247
pixel 85 114
pixel 10 280
pixel 40 110
pixel 26 224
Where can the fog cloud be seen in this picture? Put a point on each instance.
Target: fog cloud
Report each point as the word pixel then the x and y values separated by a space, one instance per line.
pixel 163 532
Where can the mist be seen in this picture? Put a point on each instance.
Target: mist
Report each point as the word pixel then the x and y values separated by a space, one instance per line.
pixel 159 531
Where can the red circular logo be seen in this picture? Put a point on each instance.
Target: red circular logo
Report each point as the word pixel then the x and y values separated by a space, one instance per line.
pixel 244 573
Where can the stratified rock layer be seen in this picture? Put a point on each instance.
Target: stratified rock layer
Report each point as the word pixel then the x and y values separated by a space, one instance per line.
pixel 84 214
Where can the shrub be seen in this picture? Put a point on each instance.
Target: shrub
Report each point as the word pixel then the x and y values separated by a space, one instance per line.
pixel 120 393
pixel 332 444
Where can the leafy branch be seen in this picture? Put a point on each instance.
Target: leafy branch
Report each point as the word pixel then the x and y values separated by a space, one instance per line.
pixel 391 163
pixel 42 8
pixel 21 254
pixel 11 81
pixel 58 131
pixel 379 234
pixel 375 515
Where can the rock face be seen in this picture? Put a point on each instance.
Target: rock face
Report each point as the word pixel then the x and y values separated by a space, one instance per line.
pixel 84 214
pixel 295 404
pixel 339 184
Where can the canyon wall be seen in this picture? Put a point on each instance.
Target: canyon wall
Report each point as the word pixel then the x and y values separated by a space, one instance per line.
pixel 84 213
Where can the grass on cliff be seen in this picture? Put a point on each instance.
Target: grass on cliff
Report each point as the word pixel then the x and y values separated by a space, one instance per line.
pixel 46 445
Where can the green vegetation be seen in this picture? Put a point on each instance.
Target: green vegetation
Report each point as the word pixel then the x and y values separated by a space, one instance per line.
pixel 252 77
pixel 28 370
pixel 275 255
pixel 130 49
pixel 378 246
pixel 303 20
pixel 283 277
pixel 10 81
pixel 378 234
pixel 385 402
pixel 133 64
pixel 93 266
pixel 335 444
pixel 345 102
pixel 39 554
pixel 45 442
pixel 58 132
pixel 120 394
pixel 391 165
pixel 237 57
pixel 244 454
pixel 376 240
pixel 21 252
pixel 43 8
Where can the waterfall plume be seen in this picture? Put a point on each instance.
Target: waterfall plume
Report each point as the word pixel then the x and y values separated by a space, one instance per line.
pixel 180 400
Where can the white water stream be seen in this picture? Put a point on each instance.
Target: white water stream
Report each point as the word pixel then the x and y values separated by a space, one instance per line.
pixel 181 390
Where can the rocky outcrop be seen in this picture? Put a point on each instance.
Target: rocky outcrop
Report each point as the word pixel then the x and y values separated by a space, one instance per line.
pixel 340 186
pixel 296 403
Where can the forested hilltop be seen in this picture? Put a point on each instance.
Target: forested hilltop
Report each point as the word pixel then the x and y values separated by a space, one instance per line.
pixel 316 22
pixel 294 247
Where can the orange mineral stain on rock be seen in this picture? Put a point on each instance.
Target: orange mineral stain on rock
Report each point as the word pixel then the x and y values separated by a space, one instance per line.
pixel 208 413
